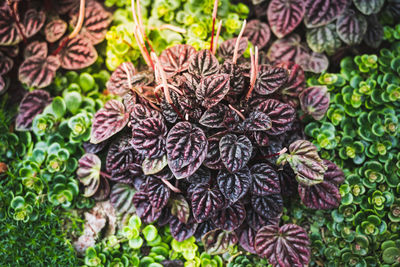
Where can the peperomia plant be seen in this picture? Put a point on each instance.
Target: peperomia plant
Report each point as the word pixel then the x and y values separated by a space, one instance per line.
pixel 199 143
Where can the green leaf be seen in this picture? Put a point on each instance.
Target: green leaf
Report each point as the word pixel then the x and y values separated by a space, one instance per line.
pixel 150 233
pixel 58 106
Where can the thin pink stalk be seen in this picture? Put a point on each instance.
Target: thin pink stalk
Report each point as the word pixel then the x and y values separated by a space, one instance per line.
pixel 163 77
pixel 173 188
pixel 215 46
pixel 253 72
pixel 214 17
pixel 235 53
pixel 106 175
pixel 141 25
pixel 276 154
pixel 144 52
pixel 158 87
pixel 237 111
pixel 172 28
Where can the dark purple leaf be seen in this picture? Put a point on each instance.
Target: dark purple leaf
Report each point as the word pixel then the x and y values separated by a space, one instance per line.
pixel 95 24
pixel 213 158
pixel 257 121
pixel 108 121
pixel 179 208
pixel 176 59
pixel 282 115
pixel 9 34
pixel 148 137
pixel 121 198
pixel 333 173
pixel 38 71
pixel 11 51
pixel 258 33
pixel 247 237
pixel 231 217
pixel 295 83
pixel 78 53
pixel 203 63
pixel 153 166
pixel 235 151
pixel 256 221
pixel 214 116
pixel 305 162
pixel 201 176
pixel 165 174
pixel 64 6
pixel 374 35
pixel 206 201
pixel 270 206
pixel 6 63
pixel 103 191
pixel 54 30
pixel 368 7
pixel 186 149
pixel 261 138
pixel 234 185
pixel 181 231
pixel 236 77
pixel 285 49
pixel 284 246
pixel 89 173
pixel 31 105
pixel 144 209
pixel 157 192
pixel 219 241
pixel 204 228
pixel 140 112
pixel 315 101
pixel 313 62
pixel 227 48
pixel 36 48
pixel 285 15
pixel 323 196
pixel 322 12
pixel 287 179
pixel 213 89
pixel 3 85
pixel 270 79
pixel 351 27
pixel 120 81
pixel 33 22
pixel 323 39
pixel 265 180
pixel 164 218
pixel 172 263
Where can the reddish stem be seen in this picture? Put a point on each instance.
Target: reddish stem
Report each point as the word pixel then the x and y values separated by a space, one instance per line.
pixel 105 175
pixel 276 154
pixel 215 9
pixel 17 22
pixel 173 188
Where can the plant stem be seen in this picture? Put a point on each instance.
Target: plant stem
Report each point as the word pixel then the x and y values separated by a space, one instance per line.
pixel 235 53
pixel 237 111
pixel 217 37
pixel 173 188
pixel 214 16
pixel 253 72
pixel 106 175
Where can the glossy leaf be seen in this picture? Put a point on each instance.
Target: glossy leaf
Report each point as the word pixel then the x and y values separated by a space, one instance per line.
pixel 202 175
pixel 179 208
pixel 54 30
pixel 33 22
pixel 6 63
pixel 36 48
pixel 176 59
pixel 144 209
pixel 333 173
pixel 227 48
pixel 284 246
pixel 121 198
pixel 269 207
pixel 206 201
pixel 258 33
pixel 265 180
pixel 219 241
pixel 246 238
pixel 231 217
pixel 103 191
pixel 31 105
pixel 157 192
pixel 186 149
pixel 203 63
pixel 234 185
pixel 182 231
pixel 323 39
pixel 78 53
pixel 257 121
pixel 285 15
pixel 120 81
pixel 214 116
pixel 89 173
pixel 324 195
pixel 213 89
pixel 313 62
pixel 213 157
pixel 322 12
pixel 281 115
pixel 368 7
pixel 256 220
pixel 38 71
pixel 203 228
pixel 270 79
pixel 351 27
pixel 153 166
pixel 295 83
pixel 108 121
pixel 235 151
pixel 315 101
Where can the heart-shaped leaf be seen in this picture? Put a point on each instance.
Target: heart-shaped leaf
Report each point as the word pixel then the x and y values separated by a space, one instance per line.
pixel 31 105
pixel 270 79
pixel 152 166
pixel 206 201
pixel 227 48
pixel 313 62
pixel 374 35
pixel 95 24
pixel 213 158
pixel 213 89
pixel 247 237
pixel 333 173
pixel 351 27
pixel 285 15
pixel 219 241
pixel 140 112
pixel 202 175
pixel 148 137
pixel 176 59
pixel 186 149
pixel 323 196
pixel 121 198
pixel 286 49
pixel 38 71
pixel 157 192
pixel 258 33
pixel 203 63
pixel 257 121
pixel 270 206
pixel 9 34
pixel 256 221
pixel 236 77
pixel 368 7
pixel 108 121
pixel 179 208
pixel 203 228
pixel 265 180
pixel 235 151
pixel 234 185
pixel 78 53
pixel 305 162
pixel 295 83
pixel 144 209
pixel 6 63
pixel 89 173
pixel 322 12
pixel 54 30
pixel 33 22
pixel 214 116
pixel 182 231
pixel 281 115
pixel 231 217
pixel 315 101
pixel 323 39
pixel 103 191
pixel 284 246
pixel 36 48
pixel 120 81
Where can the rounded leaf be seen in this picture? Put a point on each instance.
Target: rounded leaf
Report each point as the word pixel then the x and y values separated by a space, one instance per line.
pixel 322 12
pixel 213 89
pixel 351 27
pixel 234 185
pixel 281 115
pixel 78 53
pixel 9 34
pixel 206 201
pixel 144 209
pixel 269 207
pixel 285 15
pixel 33 22
pixel 258 33
pixel 235 151
pixel 36 48
pixel 270 79
pixel 179 208
pixel 374 35
pixel 152 166
pixel 247 238
pixel 6 63
pixel 203 63
pixel 231 217
pixel 182 231
pixel 324 195
pixel 368 7
pixel 315 101
pixel 89 173
pixel 176 59
pixel 55 29
pixel 265 180
pixel 38 71
pixel 213 158
pixel 333 173
pixel 214 116
pixel 31 105
pixel 295 83
pixel 121 197
pixel 323 39
pixel 120 81
pixel 157 192
pixel 257 121
pixel 219 241
pixel 227 48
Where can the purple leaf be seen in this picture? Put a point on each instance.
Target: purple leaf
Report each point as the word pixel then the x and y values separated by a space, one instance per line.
pixel 270 206
pixel 9 34
pixel 108 121
pixel 205 202
pixel 235 151
pixel 231 217
pixel 182 231
pixel 213 89
pixel 247 238
pixel 270 79
pixel 31 105
pixel 265 180
pixel 324 39
pixel 315 101
pixel 285 15
pixel 203 228
pixel 333 173
pixel 368 7
pixel 38 71
pixel 257 121
pixel 179 208
pixel 121 198
pixel 284 246
pixel 33 22
pixel 351 27
pixel 201 176
pixel 36 48
pixel 186 149
pixel 256 221
pixel 285 49
pixel 176 59
pixel 227 48
pixel 322 12
pixel 141 112
pixel 234 185
pixel 144 209
pixel 54 30
pixel 214 116
pixel 6 63
pixel 103 191
pixel 203 63
pixel 89 173
pixel 374 35
pixel 219 241
pixel 236 77
pixel 213 158
pixel 64 6
pixel 78 53
pixel 295 83
pixel 261 138
pixel 313 62
pixel 258 33
pixel 282 115
pixel 153 166
pixel 323 196
pixel 157 192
